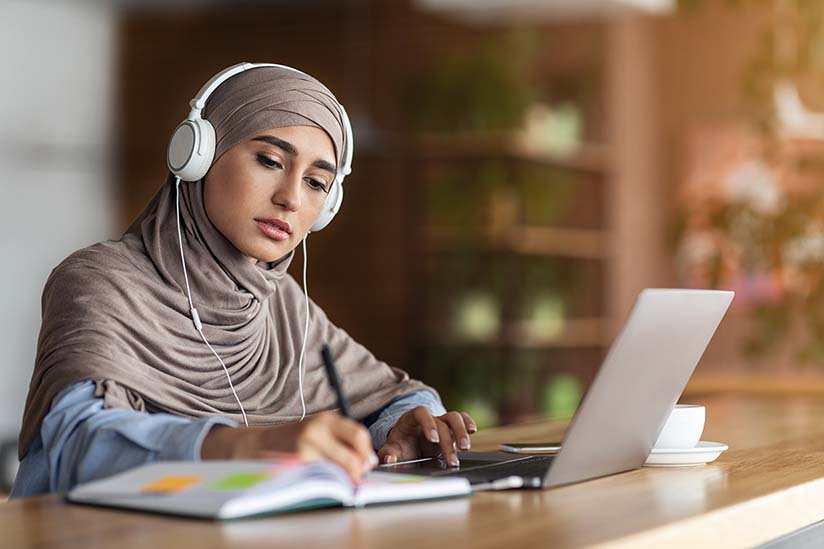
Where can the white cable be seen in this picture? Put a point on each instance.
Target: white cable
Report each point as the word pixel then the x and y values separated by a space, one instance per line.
pixel 195 316
pixel 180 241
pixel 305 332
pixel 231 386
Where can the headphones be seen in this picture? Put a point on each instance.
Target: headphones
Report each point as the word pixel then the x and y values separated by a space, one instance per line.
pixel 192 146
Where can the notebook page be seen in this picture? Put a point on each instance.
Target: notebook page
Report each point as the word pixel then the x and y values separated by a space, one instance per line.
pixel 382 487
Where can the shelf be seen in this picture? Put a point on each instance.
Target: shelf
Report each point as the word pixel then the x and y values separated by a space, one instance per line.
pixel 589 157
pixel 577 333
pixel 528 240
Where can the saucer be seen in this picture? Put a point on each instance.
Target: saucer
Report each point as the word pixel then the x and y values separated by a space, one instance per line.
pixel 704 452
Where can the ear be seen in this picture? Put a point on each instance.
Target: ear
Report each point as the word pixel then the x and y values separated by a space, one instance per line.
pixel 331 206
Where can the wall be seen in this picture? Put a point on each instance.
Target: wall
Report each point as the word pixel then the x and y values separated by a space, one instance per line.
pixel 55 191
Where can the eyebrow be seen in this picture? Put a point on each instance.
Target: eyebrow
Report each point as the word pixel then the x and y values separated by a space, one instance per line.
pixel 290 149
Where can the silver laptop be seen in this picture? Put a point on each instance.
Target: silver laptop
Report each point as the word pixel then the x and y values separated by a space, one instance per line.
pixel 624 409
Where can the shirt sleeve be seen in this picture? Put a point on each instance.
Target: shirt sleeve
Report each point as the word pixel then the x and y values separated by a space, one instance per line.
pixel 80 440
pixel 382 421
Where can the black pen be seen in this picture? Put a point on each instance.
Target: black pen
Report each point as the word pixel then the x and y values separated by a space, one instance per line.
pixel 332 373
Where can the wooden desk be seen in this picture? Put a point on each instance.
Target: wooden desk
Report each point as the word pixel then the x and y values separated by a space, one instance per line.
pixel 770 483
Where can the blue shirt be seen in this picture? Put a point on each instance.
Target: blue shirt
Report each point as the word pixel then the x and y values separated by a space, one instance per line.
pixel 80 440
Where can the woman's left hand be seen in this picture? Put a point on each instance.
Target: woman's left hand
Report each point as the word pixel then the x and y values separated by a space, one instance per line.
pixel 418 433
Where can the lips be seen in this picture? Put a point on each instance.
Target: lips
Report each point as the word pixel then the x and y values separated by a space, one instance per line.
pixel 279 223
pixel 274 228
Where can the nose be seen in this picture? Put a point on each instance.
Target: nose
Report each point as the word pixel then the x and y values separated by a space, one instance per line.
pixel 287 193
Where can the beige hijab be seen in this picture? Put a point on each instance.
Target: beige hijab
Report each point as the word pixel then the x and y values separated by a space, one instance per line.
pixel 117 312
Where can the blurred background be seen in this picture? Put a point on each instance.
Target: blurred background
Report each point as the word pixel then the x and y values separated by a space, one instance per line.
pixel 522 169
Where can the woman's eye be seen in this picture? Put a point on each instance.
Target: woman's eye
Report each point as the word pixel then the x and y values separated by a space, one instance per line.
pixel 271 163
pixel 316 184
pixel 268 162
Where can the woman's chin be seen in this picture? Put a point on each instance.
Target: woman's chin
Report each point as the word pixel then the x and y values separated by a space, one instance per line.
pixel 272 254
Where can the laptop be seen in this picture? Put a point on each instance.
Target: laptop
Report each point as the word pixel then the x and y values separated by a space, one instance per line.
pixel 625 408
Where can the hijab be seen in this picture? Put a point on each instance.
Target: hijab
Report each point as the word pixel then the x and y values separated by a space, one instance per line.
pixel 117 312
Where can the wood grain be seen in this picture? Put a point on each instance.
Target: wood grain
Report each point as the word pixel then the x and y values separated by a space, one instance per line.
pixel 769 483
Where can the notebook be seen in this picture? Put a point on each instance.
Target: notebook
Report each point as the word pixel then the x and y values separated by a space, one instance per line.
pixel 234 489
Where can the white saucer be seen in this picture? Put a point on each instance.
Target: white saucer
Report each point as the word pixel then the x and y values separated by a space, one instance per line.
pixel 704 452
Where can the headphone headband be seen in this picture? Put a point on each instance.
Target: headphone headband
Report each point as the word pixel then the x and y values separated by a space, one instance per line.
pixel 192 146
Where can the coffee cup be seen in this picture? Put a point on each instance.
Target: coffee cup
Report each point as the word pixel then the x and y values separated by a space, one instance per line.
pixel 683 428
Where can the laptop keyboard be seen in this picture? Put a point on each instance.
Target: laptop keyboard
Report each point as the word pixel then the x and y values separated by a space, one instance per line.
pixel 531 468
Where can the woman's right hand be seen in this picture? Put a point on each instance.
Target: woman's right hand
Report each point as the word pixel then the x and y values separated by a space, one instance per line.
pixel 323 436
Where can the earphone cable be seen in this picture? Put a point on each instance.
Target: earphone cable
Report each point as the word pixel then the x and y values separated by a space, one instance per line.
pixel 231 385
pixel 180 242
pixel 195 315
pixel 305 331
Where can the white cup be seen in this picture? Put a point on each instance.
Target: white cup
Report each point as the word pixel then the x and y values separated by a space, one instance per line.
pixel 683 427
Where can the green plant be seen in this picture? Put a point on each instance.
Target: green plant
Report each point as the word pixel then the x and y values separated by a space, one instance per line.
pixel 546 193
pixel 485 88
pixel 561 396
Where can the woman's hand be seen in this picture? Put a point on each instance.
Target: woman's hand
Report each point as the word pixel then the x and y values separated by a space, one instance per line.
pixel 418 433
pixel 324 436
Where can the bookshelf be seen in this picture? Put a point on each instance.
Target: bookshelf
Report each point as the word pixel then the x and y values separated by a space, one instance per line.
pixel 547 241
pixel 514 144
pixel 529 257
pixel 534 224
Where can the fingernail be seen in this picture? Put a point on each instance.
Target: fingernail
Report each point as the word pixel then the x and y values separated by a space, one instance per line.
pixel 367 466
pixel 473 428
pixel 433 436
pixel 453 460
pixel 373 459
pixel 464 443
pixel 390 459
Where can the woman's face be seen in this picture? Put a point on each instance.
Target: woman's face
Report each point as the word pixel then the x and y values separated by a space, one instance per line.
pixel 265 193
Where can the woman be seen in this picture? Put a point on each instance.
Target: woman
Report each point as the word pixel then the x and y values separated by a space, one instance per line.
pixel 186 339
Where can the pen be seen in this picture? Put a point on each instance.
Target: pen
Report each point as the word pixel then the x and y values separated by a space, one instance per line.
pixel 332 373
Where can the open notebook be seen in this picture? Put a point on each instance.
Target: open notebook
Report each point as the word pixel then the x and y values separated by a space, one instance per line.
pixel 233 489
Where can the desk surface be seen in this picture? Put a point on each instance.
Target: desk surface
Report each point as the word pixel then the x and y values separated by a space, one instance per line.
pixel 769 483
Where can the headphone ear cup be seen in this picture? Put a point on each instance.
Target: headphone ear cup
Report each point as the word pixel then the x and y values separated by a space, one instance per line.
pixel 330 206
pixel 191 149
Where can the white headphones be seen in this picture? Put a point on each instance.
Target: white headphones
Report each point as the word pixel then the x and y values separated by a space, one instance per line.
pixel 192 146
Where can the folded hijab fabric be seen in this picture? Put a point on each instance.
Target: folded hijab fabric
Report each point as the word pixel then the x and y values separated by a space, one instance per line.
pixel 117 312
